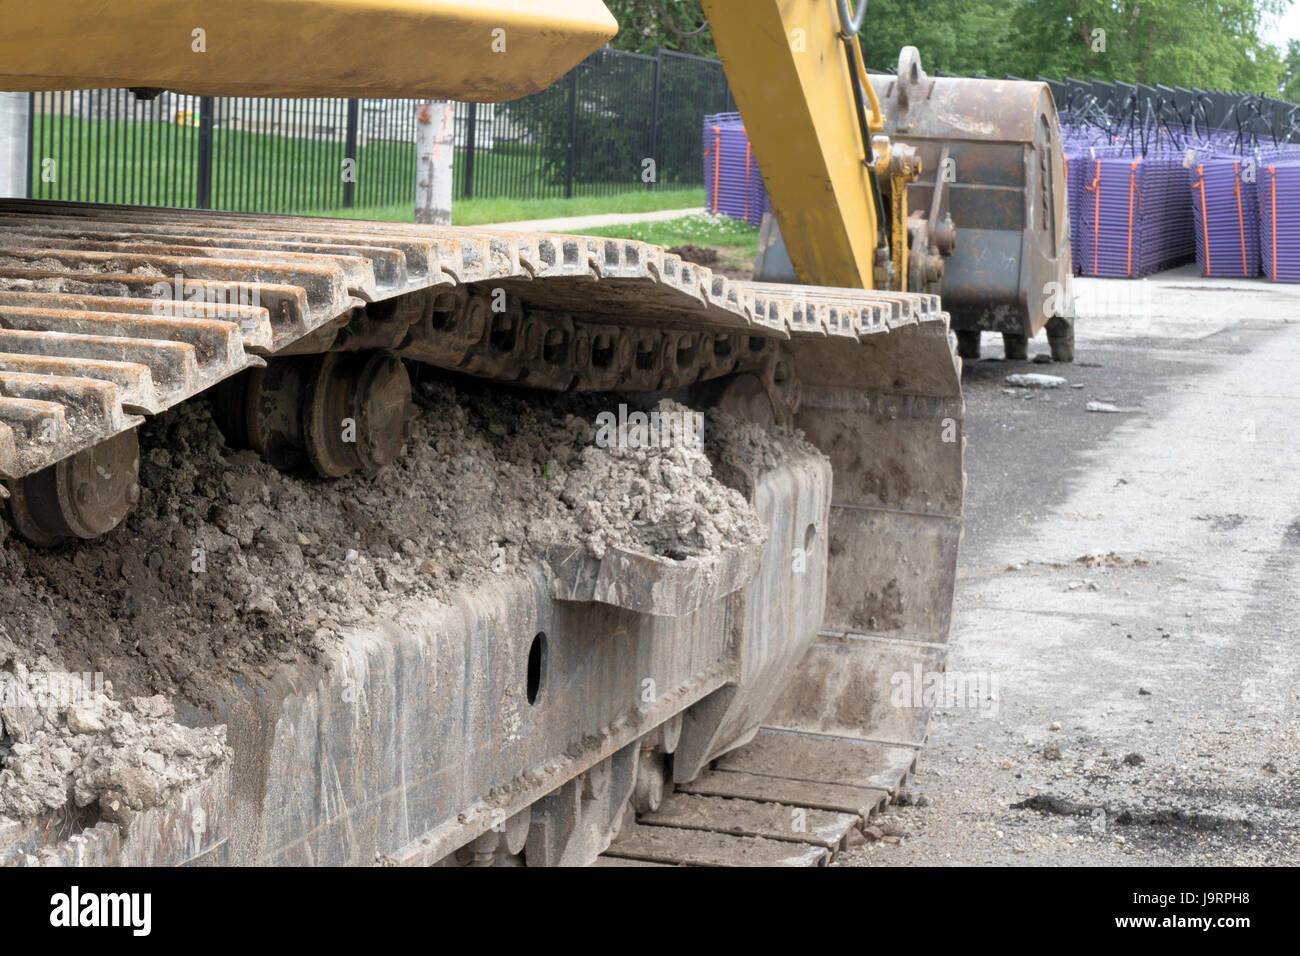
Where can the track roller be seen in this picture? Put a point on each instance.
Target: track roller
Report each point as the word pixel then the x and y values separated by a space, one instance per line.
pixel 82 496
pixel 357 412
pixel 337 412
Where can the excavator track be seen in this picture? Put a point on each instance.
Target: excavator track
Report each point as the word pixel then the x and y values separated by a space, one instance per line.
pixel 111 313
pixel 108 313
pixel 785 799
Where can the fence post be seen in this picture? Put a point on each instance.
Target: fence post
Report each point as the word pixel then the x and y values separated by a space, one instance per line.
pixel 204 159
pixel 350 153
pixel 31 141
pixel 573 133
pixel 471 146
pixel 654 117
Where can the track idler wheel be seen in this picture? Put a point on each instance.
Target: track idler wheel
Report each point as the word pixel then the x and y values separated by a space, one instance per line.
pixel 83 496
pixel 262 410
pixel 337 412
pixel 357 412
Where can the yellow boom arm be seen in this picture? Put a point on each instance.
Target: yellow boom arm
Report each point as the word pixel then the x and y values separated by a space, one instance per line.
pixel 481 50
pixel 793 83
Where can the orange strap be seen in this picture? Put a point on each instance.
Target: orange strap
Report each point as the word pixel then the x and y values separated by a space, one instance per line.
pixel 1096 217
pixel 1132 184
pixel 748 147
pixel 1241 221
pixel 1273 170
pixel 716 150
pixel 1205 218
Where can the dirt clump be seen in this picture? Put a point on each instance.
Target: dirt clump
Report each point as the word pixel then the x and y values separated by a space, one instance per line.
pixel 229 570
pixel 700 255
pixel 229 567
pixel 76 744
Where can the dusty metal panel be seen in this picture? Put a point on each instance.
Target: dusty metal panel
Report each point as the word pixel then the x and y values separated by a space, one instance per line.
pixel 845 798
pixel 193 827
pixel 421 736
pixel 822 759
pixel 699 848
pixel 866 687
pixel 739 817
pixel 782 611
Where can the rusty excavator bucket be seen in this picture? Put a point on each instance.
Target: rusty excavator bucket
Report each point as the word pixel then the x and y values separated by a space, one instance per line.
pixel 987 216
pixel 993 165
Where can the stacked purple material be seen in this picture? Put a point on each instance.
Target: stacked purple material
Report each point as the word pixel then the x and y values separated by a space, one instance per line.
pixel 1077 144
pixel 1137 215
pixel 1224 209
pixel 1075 164
pixel 733 185
pixel 1152 184
pixel 758 201
pixel 1279 217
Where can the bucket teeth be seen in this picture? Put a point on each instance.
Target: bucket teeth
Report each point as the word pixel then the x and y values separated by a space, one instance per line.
pixel 81 319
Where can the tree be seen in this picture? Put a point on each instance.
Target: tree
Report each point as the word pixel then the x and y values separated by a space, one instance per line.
pixel 671 24
pixel 1213 44
pixel 956 36
pixel 1290 85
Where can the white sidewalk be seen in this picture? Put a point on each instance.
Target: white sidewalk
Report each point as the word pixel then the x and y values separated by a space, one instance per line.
pixel 575 223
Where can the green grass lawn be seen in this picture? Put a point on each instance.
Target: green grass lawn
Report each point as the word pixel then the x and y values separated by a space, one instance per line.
pixel 720 232
pixel 470 212
pixel 474 212
pixel 124 161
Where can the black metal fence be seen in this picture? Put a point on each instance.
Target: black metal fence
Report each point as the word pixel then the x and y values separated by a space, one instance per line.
pixel 595 132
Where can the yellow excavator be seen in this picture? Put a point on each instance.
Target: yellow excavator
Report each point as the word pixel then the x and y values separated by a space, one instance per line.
pixel 513 724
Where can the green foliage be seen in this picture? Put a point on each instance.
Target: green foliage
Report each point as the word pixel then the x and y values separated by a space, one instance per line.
pixel 646 24
pixel 956 36
pixel 1290 84
pixel 1214 44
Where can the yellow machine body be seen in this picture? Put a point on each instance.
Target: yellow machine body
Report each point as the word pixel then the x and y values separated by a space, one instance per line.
pixel 479 50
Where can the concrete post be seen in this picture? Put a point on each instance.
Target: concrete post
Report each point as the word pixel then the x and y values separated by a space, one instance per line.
pixel 435 138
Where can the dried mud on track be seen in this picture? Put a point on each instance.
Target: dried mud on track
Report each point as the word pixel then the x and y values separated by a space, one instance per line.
pixel 229 569
pixel 228 566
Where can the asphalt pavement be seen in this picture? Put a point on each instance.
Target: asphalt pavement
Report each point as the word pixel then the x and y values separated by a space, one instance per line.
pixel 1128 593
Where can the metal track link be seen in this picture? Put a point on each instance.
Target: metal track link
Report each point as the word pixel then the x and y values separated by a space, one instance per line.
pixel 785 799
pixel 112 312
